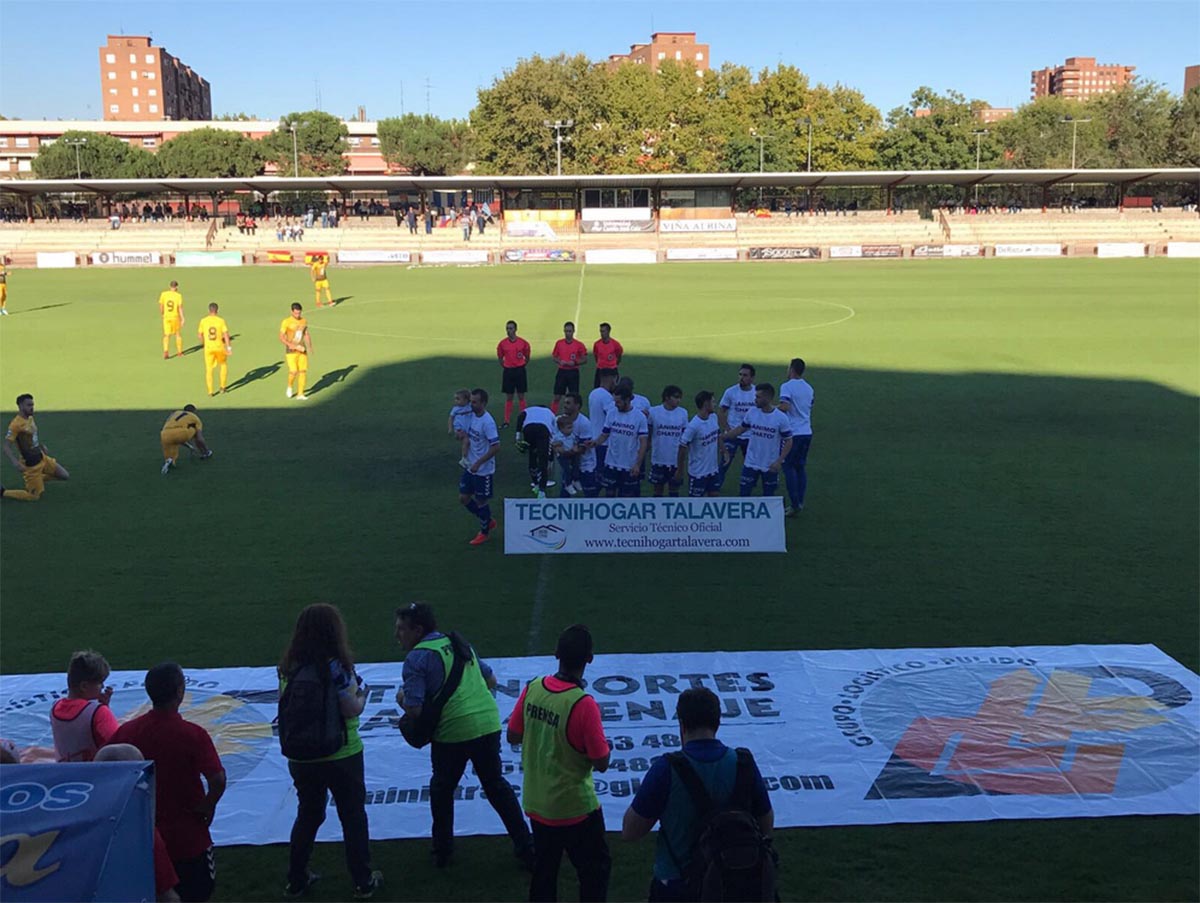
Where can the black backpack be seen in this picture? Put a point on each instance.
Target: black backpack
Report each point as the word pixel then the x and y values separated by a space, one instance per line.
pixel 311 725
pixel 730 858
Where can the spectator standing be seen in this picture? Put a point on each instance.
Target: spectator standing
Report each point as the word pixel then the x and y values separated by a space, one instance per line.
pixel 796 400
pixel 467 731
pixel 607 352
pixel 82 722
pixel 411 218
pixel 428 221
pixel 569 354
pixel 558 727
pixel 189 779
pixel 318 652
pixel 731 779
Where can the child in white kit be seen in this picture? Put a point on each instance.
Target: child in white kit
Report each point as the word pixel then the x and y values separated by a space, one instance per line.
pixel 460 421
pixel 564 444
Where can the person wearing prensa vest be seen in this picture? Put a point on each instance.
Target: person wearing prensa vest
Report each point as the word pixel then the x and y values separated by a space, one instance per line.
pixel 562 743
pixel 467 731
pixel 83 722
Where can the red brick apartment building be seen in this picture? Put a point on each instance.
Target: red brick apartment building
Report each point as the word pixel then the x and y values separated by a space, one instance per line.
pixel 140 82
pixel 1191 78
pixel 1079 77
pixel 679 46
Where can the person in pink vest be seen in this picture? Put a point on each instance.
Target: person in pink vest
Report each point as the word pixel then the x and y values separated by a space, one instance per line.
pixel 83 722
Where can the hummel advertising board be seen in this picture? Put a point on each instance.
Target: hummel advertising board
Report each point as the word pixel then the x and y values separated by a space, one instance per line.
pixel 126 258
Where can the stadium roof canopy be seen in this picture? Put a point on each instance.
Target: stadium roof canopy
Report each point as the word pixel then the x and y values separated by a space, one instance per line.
pixel 345 184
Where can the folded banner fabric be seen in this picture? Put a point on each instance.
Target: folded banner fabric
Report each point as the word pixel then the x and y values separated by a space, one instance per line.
pixel 841 737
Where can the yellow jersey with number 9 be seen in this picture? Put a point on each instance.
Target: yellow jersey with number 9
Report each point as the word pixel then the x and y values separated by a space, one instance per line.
pixel 213 329
pixel 171 304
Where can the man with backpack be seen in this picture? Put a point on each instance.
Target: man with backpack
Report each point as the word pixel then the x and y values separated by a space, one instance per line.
pixel 465 728
pixel 714 813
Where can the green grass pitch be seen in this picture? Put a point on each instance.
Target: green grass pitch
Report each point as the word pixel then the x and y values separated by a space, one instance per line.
pixel 1005 453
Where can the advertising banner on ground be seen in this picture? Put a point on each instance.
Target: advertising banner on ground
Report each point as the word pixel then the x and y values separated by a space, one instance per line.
pixel 208 258
pixel 535 255
pixel 598 526
pixel 55 260
pixel 881 251
pixel 79 831
pixel 702 253
pixel 454 257
pixel 349 256
pixel 962 251
pixel 928 251
pixel 1183 249
pixel 607 226
pixel 851 737
pixel 534 229
pixel 845 252
pixel 126 258
pixel 1035 250
pixel 620 255
pixel 697 225
pixel 809 253
pixel 1120 249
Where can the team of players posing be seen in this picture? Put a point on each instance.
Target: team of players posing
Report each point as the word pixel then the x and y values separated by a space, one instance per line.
pixel 606 450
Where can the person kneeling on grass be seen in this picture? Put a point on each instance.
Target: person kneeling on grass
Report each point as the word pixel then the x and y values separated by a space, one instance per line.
pixel 183 428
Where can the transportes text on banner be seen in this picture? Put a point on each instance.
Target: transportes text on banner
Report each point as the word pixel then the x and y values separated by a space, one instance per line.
pixel 603 525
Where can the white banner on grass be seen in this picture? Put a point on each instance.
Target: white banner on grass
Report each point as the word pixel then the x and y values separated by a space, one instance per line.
pixel 1038 250
pixel 697 225
pixel 702 253
pixel 845 252
pixel 603 525
pixel 620 255
pixel 841 737
pixel 208 258
pixel 455 257
pixel 126 258
pixel 1120 249
pixel 55 260
pixel 1183 249
pixel 374 256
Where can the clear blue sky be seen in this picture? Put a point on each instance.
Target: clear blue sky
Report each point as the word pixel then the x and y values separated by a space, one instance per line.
pixel 269 58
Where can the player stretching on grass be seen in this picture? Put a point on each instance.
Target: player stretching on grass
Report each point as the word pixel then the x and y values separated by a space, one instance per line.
pixel 320 278
pixel 27 454
pixel 182 428
pixel 218 345
pixel 170 305
pixel 293 332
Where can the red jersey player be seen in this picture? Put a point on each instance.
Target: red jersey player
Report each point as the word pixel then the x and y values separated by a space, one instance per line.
pixel 513 352
pixel 607 353
pixel 570 354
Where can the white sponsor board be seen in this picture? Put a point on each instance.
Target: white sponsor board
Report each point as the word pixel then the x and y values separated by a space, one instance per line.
pixel 535 229
pixel 1039 250
pixel 697 225
pixel 620 255
pixel 599 214
pixel 962 251
pixel 55 260
pixel 850 737
pixel 1120 249
pixel 374 256
pixel 1183 249
pixel 455 257
pixel 208 258
pixel 603 525
pixel 702 253
pixel 126 258
pixel 845 252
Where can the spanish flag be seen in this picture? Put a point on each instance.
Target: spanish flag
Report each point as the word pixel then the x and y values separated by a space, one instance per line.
pixel 279 257
pixel 313 256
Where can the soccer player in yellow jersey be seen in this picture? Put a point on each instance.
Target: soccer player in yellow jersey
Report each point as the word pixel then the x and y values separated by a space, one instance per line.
pixel 170 305
pixel 214 333
pixel 293 332
pixel 24 449
pixel 3 289
pixel 320 278
pixel 182 428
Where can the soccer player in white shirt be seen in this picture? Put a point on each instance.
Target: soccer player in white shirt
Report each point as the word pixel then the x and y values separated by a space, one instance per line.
pixel 534 427
pixel 666 422
pixel 770 441
pixel 475 485
pixel 735 403
pixel 699 448
pixel 639 402
pixel 600 405
pixel 625 434
pixel 796 400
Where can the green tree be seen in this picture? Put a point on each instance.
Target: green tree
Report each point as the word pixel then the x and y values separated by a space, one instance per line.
pixel 99 157
pixel 211 154
pixel 320 141
pixel 936 131
pixel 426 145
pixel 1185 130
pixel 1137 118
pixel 140 164
pixel 236 117
pixel 1039 135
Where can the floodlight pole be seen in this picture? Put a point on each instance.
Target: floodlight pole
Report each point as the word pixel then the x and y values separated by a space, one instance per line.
pixel 295 152
pixel 761 139
pixel 558 125
pixel 77 143
pixel 1074 133
pixel 808 120
pixel 979 133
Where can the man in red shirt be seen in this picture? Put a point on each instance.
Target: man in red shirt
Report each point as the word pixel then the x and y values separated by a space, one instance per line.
pixel 607 353
pixel 570 354
pixel 513 352
pixel 182 753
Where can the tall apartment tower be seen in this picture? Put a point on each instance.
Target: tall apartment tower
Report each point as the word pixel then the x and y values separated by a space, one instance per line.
pixel 142 82
pixel 1079 77
pixel 678 46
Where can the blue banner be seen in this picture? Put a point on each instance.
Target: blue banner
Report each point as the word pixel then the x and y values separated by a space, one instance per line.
pixel 77 832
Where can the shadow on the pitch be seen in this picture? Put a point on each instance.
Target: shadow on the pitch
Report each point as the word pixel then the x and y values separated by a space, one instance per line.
pixel 331 378
pixel 254 375
pixel 29 310
pixel 337 301
pixel 192 350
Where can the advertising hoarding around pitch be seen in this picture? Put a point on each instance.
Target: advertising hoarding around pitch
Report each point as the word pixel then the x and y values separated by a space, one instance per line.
pixel 454 257
pixel 845 252
pixel 539 255
pixel 620 255
pixel 808 253
pixel 208 258
pixel 375 256
pixel 55 260
pixel 126 258
pixel 697 225
pixel 1030 250
pixel 702 253
pixel 1183 249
